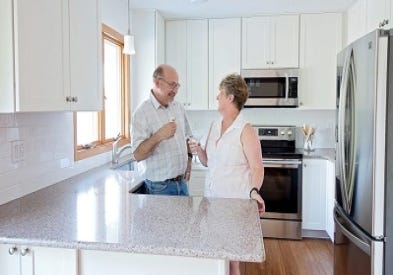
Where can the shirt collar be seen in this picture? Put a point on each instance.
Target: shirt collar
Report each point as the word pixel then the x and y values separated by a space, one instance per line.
pixel 155 102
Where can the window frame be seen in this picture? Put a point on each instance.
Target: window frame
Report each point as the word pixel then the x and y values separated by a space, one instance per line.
pixel 103 145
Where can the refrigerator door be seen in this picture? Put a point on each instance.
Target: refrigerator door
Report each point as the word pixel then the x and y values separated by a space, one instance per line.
pixel 354 251
pixel 360 169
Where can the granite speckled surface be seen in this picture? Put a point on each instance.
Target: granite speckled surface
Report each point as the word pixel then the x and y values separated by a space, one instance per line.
pixel 321 153
pixel 94 210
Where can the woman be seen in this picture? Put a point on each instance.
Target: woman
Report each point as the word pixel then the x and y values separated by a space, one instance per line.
pixel 232 151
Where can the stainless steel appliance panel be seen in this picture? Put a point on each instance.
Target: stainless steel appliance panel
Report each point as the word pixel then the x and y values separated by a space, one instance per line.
pixel 356 134
pixel 272 88
pixel 364 191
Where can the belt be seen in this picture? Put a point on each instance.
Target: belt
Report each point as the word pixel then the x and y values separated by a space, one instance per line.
pixel 178 178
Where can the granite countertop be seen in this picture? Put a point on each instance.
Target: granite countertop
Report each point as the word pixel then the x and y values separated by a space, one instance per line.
pixel 95 210
pixel 321 153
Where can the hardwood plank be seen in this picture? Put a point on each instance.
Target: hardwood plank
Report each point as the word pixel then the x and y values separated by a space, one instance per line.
pixel 288 257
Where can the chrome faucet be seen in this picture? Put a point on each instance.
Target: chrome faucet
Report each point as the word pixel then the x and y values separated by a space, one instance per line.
pixel 115 150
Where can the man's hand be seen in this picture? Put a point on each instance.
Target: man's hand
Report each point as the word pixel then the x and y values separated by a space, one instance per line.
pixel 167 131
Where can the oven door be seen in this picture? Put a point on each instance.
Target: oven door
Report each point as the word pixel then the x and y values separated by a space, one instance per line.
pixel 282 189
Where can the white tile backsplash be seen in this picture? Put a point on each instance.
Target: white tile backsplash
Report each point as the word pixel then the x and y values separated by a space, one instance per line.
pixel 322 120
pixel 48 152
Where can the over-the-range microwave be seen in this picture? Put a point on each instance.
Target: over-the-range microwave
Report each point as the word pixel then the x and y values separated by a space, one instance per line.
pixel 272 88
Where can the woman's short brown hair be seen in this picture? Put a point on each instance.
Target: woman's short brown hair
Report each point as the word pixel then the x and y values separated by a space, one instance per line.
pixel 234 84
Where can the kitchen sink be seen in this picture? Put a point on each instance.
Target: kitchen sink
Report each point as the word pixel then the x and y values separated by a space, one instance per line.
pixel 139 189
pixel 128 165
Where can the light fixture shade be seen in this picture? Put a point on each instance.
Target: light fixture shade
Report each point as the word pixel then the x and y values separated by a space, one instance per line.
pixel 129 47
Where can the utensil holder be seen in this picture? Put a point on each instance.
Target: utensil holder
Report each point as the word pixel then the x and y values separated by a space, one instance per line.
pixel 308 144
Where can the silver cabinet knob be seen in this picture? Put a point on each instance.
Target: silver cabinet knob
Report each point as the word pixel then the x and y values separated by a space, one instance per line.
pixel 68 98
pixel 12 250
pixel 24 251
pixel 75 99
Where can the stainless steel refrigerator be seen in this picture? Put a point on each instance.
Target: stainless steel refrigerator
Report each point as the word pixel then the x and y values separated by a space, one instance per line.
pixel 363 213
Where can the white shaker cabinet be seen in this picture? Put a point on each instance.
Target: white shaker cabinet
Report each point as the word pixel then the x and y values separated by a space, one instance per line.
pixel 330 197
pixel 320 41
pixel 26 260
pixel 94 262
pixel 196 185
pixel 52 59
pixel 378 14
pixel 270 42
pixel 187 51
pixel 314 194
pixel 224 53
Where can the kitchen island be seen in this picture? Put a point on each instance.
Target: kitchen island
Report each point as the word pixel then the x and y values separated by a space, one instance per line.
pixel 114 231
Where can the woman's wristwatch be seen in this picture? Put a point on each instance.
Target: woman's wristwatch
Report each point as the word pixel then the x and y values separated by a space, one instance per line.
pixel 252 190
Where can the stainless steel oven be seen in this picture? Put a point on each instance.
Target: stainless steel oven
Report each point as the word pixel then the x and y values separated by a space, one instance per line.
pixel 272 88
pixel 282 185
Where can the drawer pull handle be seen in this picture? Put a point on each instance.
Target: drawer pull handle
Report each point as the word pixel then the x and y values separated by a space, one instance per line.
pixel 12 250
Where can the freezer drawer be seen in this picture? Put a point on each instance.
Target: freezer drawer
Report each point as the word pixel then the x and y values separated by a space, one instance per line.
pixel 354 251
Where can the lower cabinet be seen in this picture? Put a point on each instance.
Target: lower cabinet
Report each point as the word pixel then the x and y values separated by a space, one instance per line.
pixel 93 262
pixel 33 260
pixel 318 198
pixel 196 184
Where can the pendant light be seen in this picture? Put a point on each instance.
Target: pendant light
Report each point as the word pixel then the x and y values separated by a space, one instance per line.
pixel 129 47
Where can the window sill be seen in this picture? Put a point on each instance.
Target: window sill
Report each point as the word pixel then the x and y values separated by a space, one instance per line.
pixel 97 149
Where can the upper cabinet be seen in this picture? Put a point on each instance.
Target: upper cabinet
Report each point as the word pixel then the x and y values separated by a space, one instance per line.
pixel 378 14
pixel 187 51
pixel 270 42
pixel 52 59
pixel 149 31
pixel 320 41
pixel 224 53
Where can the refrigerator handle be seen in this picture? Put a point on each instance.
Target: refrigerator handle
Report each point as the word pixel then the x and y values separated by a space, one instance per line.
pixel 340 130
pixel 354 239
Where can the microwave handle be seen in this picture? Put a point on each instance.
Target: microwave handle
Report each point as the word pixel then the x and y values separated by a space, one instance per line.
pixel 286 86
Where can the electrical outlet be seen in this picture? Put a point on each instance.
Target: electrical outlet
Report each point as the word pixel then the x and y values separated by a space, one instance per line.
pixel 17 151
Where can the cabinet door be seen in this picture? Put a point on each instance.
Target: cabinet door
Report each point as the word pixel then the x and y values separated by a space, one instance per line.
pixel 255 42
pixel 40 41
pixel 376 12
pixel 224 57
pixel 9 264
pixel 356 25
pixel 197 65
pixel 59 261
pixel 314 194
pixel 85 55
pixel 330 197
pixel 284 39
pixel 320 41
pixel 37 260
pixel 176 54
pixel 6 58
pixel 187 52
pixel 196 185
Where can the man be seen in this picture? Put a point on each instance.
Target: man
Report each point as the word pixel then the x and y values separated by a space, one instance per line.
pixel 159 132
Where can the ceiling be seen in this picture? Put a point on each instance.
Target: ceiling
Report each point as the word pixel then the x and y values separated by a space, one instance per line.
pixel 237 8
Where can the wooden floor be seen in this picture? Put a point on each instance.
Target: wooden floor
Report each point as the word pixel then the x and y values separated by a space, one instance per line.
pixel 286 257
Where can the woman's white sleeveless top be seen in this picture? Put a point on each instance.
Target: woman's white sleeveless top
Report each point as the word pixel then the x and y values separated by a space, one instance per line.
pixel 229 175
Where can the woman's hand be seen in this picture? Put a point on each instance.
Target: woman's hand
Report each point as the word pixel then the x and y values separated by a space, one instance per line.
pixel 261 203
pixel 194 145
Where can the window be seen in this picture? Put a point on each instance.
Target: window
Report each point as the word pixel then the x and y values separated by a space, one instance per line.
pixel 95 131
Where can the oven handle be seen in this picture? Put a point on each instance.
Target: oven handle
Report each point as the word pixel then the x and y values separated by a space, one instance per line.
pixel 282 164
pixel 286 86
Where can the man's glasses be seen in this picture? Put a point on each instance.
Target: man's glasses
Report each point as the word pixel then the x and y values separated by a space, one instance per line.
pixel 173 85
